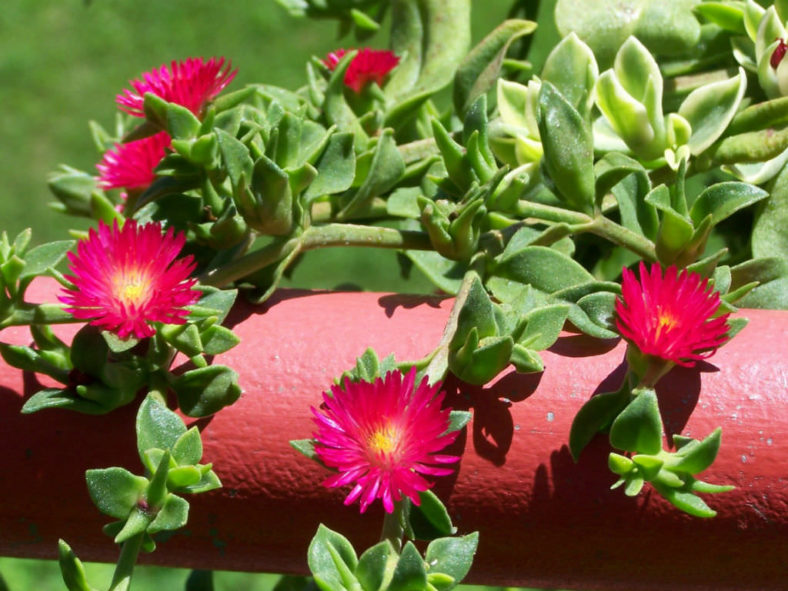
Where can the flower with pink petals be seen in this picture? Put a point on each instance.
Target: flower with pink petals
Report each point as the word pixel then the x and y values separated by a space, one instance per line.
pixel 191 83
pixel 130 166
pixel 383 438
pixel 672 317
pixel 124 279
pixel 367 66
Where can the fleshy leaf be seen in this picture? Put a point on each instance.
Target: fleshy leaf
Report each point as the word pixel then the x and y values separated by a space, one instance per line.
pixel 638 428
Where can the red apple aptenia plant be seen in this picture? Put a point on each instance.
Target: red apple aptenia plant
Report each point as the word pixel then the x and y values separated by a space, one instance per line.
pixel 528 199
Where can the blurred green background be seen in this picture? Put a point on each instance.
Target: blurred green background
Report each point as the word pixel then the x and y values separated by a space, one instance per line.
pixel 63 61
pixel 61 64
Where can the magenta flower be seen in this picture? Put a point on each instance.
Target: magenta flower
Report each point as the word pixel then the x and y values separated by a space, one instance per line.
pixel 382 437
pixel 190 83
pixel 368 65
pixel 124 279
pixel 670 317
pixel 130 166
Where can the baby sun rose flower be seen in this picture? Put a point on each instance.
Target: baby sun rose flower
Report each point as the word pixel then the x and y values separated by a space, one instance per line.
pixel 670 318
pixel 368 65
pixel 131 165
pixel 190 83
pixel 383 438
pixel 124 279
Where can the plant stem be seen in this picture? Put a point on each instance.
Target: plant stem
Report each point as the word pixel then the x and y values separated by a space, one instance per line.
pixel 39 314
pixel 128 557
pixel 599 225
pixel 550 213
pixel 618 234
pixel 392 526
pixel 317 237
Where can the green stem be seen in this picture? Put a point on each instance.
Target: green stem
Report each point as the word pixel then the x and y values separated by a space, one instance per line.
pixel 317 237
pixel 392 526
pixel 550 213
pixel 249 263
pixel 599 225
pixel 618 234
pixel 125 567
pixel 321 211
pixel 39 314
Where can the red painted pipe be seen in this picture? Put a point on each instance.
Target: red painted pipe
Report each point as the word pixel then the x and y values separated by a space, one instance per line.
pixel 544 521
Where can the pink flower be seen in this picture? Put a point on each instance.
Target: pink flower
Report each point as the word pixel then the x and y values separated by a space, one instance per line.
pixel 368 65
pixel 124 279
pixel 130 166
pixel 382 437
pixel 670 317
pixel 190 83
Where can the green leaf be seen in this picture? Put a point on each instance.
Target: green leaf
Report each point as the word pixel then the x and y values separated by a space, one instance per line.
pixel 638 428
pixel 272 210
pixel 543 326
pixel 305 446
pixel 452 556
pixel 332 560
pixel 722 200
pixel 182 477
pixel 136 524
pixel 184 337
pixel 619 464
pixel 568 149
pixel 571 67
pixel 375 566
pixel 669 28
pixel 433 37
pixel 181 122
pixel 235 157
pixel 218 339
pixel 173 515
pixel 544 268
pixel 480 68
pixel 478 361
pixel 696 456
pixel 47 256
pixel 770 231
pixel 71 569
pixel 157 426
pixel 56 398
pixel 595 416
pixel 204 391
pixel 386 169
pixel 444 273
pixel 726 15
pixel 410 573
pixel 336 167
pixel 710 108
pixel 458 419
pixel 771 274
pixel 525 360
pixel 115 491
pixel 686 501
pixel 73 188
pixel 430 519
pixel 187 449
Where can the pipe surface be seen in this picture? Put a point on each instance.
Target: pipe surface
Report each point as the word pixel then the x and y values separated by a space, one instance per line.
pixel 544 521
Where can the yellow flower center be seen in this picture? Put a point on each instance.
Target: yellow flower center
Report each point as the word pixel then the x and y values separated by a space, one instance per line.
pixel 131 288
pixel 665 321
pixel 384 440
